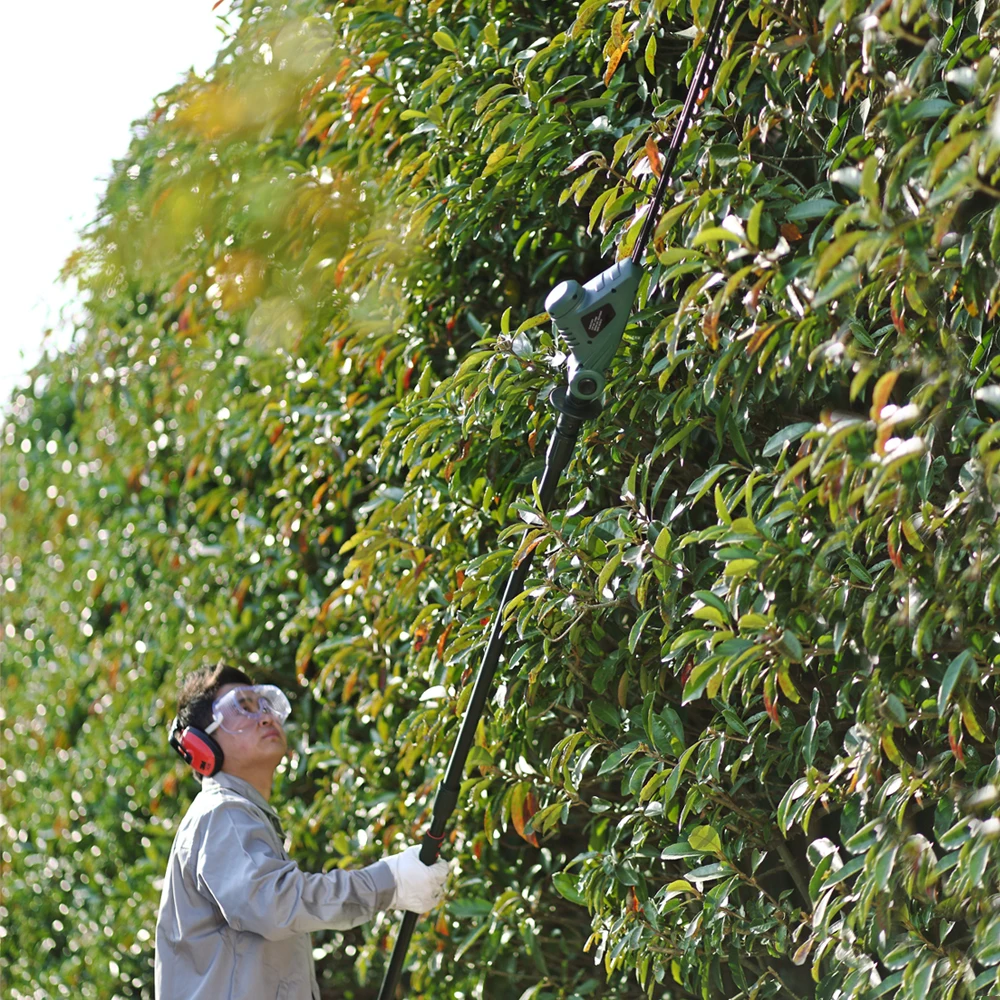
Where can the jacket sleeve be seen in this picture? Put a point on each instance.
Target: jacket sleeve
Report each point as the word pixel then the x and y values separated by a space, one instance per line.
pixel 259 890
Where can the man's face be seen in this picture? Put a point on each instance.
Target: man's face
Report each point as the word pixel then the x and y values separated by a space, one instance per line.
pixel 261 744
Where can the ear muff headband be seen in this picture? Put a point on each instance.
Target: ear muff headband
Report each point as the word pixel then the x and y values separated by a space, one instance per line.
pixel 197 748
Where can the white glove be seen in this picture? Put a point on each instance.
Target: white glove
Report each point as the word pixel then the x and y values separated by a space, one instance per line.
pixel 419 887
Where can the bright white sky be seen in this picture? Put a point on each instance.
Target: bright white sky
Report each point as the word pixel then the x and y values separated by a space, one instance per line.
pixel 73 76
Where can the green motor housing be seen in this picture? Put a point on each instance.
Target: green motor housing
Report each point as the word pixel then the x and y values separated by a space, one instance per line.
pixel 591 318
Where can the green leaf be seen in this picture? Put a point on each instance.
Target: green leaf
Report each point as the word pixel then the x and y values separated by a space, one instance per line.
pixel 565 885
pixel 636 632
pixel 816 208
pixel 964 660
pixel 753 226
pixel 712 234
pixel 706 481
pixel 445 40
pixel 705 840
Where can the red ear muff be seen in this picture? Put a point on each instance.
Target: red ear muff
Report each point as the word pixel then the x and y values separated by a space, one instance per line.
pixel 198 749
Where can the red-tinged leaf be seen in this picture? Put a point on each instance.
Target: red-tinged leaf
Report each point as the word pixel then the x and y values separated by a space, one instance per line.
pixel 217 4
pixel 443 639
pixel 532 440
pixel 314 90
pixel 459 579
pixel 523 807
pixel 358 100
pixel 897 321
pixel 686 670
pixel 338 274
pixel 760 337
pixel 882 392
pixel 327 604
pixel 345 65
pixel 710 326
pixel 240 593
pixel 441 926
pixel 791 232
pixel 408 372
pixel 771 707
pixel 616 58
pixel 633 901
pixel 895 557
pixel 955 737
pixel 420 637
pixel 653 155
pixel 317 498
pixel 349 685
pixel 303 657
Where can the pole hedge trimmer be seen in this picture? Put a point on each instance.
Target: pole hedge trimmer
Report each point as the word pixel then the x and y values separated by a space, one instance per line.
pixel 591 319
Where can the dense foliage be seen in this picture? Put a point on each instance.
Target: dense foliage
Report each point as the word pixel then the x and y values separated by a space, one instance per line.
pixel 743 743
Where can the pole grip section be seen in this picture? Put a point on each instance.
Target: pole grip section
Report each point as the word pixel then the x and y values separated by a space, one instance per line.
pixel 557 457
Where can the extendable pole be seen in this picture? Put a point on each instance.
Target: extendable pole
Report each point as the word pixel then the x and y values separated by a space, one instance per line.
pixel 564 437
pixel 591 319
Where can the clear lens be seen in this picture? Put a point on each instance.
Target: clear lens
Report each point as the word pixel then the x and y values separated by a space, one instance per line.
pixel 243 707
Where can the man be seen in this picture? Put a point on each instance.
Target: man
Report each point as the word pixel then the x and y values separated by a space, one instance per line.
pixel 236 911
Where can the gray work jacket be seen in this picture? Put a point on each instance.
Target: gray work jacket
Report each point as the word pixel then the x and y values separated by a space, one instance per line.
pixel 236 912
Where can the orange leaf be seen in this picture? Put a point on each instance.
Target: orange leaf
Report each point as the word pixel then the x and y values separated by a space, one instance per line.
pixel 653 155
pixel 771 707
pixel 523 807
pixel 710 326
pixel 358 99
pixel 443 639
pixel 420 637
pixel 616 58
pixel 240 593
pixel 791 232
pixel 757 340
pixel 349 685
pixel 318 495
pixel 882 392
pixel 894 557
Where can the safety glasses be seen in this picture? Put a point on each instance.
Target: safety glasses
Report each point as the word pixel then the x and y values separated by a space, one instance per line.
pixel 242 708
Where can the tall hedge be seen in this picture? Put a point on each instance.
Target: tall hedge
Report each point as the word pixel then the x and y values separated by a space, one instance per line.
pixel 743 742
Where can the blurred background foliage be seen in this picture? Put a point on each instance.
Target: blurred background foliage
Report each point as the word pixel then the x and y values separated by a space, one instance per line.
pixel 744 741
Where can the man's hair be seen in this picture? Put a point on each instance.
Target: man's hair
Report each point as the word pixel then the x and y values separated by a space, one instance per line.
pixel 194 706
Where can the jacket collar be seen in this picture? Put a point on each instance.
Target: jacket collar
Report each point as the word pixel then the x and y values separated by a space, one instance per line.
pixel 241 787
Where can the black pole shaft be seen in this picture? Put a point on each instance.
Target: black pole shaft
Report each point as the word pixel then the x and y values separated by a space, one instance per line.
pixel 557 457
pixel 700 83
